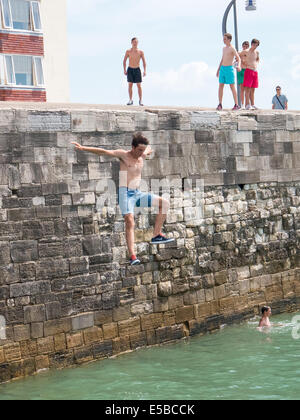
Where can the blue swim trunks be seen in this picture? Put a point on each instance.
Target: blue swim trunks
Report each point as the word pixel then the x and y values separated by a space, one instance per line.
pixel 227 75
pixel 129 199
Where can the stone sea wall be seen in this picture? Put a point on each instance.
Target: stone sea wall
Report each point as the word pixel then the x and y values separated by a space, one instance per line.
pixel 67 293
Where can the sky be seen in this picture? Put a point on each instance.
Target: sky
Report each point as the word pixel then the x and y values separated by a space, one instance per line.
pixel 182 41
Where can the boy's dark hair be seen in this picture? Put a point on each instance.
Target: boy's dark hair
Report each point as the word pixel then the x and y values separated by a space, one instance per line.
pixel 133 39
pixel 138 139
pixel 265 309
pixel 245 43
pixel 255 41
pixel 228 36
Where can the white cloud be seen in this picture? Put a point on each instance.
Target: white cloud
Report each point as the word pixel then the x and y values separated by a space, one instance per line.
pixel 190 77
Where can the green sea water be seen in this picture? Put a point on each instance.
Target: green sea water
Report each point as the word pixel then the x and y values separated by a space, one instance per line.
pixel 238 362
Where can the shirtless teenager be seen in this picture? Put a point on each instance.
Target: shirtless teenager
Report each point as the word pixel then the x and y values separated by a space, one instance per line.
pixel 266 313
pixel 251 75
pixel 133 73
pixel 241 74
pixel 225 71
pixel 131 166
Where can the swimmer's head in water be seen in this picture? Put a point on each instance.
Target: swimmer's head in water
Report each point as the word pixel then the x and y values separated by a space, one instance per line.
pixel 139 144
pixel 266 310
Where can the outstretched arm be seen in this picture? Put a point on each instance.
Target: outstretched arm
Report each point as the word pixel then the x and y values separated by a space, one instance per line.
pixel 102 152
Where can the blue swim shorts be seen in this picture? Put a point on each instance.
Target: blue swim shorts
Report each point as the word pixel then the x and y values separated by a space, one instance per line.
pixel 129 199
pixel 227 75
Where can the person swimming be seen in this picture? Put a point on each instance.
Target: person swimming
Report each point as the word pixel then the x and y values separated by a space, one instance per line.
pixel 265 320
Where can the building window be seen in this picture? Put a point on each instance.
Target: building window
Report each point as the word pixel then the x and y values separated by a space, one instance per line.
pixel 21 70
pixel 21 15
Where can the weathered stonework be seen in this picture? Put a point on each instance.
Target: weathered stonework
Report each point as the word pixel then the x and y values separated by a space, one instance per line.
pixel 67 293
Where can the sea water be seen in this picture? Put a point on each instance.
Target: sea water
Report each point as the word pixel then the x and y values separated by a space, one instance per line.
pixel 238 362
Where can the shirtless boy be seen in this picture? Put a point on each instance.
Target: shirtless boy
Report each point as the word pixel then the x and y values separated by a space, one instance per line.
pixel 266 313
pixel 241 74
pixel 251 75
pixel 131 166
pixel 225 71
pixel 133 73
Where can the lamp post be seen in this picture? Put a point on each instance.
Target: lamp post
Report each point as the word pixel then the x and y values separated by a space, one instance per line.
pixel 250 5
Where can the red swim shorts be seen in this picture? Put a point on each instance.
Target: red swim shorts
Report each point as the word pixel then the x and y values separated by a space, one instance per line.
pixel 251 79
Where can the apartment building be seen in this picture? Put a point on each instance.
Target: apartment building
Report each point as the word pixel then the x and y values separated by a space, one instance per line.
pixel 34 51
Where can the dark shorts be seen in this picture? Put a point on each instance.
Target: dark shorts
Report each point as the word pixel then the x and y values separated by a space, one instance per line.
pixel 134 75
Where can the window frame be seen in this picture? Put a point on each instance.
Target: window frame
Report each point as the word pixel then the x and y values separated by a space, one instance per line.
pixel 3 16
pixel 14 83
pixel 2 70
pixel 34 72
pixel 33 23
pixel 32 19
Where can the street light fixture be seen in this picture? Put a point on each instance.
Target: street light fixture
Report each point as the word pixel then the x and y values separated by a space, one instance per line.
pixel 250 6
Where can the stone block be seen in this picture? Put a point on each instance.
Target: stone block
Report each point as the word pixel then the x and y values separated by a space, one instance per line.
pixel 121 345
pixel 83 355
pixel 161 304
pixel 33 314
pixel 60 342
pixel 247 123
pixel 175 302
pixel 110 330
pixel 83 321
pixel 92 245
pixel 12 352
pixel 105 317
pixel 37 330
pixel 151 321
pixel 74 340
pixel 221 278
pixel 22 332
pixel 57 326
pixel 4 253
pixel 28 348
pixel 83 121
pixel 203 310
pixel 241 136
pixel 92 335
pixel 45 345
pixel 227 305
pixel 53 310
pixel 128 327
pixel 42 363
pixel 44 121
pixel 50 248
pixel 185 313
pixel 164 289
pixel 51 268
pixel 138 340
pixel 2 356
pixel 103 350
